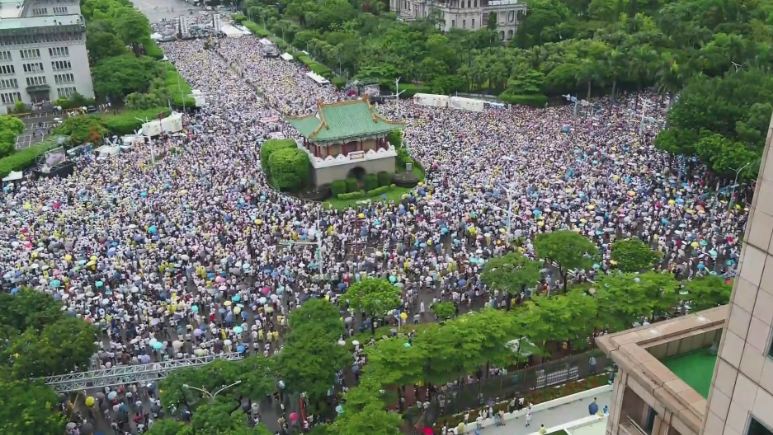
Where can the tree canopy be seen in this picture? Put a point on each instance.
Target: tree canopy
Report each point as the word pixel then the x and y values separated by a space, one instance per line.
pixel 511 273
pixel 568 249
pixel 633 255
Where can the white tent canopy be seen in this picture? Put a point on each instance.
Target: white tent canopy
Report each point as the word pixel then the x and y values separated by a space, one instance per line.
pixel 171 124
pixel 432 100
pixel 13 176
pixel 317 78
pixel 469 104
pixel 265 41
pixel 106 151
pixel 286 56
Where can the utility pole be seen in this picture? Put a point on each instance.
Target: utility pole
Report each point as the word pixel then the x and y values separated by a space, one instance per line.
pixel 735 183
pixel 212 395
pixel 397 97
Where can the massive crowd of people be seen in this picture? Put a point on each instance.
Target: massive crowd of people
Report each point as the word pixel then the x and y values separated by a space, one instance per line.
pixel 184 255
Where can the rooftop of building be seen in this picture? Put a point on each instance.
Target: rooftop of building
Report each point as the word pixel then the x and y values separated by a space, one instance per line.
pixel 40 22
pixel 342 121
pixel 645 353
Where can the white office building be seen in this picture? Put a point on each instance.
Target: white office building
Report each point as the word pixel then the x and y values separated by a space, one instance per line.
pixel 42 52
pixel 464 14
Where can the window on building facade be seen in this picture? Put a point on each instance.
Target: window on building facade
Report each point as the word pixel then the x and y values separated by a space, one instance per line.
pixel 33 67
pixel 30 53
pixel 453 23
pixel 59 51
pixel 770 351
pixel 5 56
pixel 60 65
pixel 511 16
pixel 473 23
pixel 65 92
pixel 60 79
pixel 464 24
pixel 36 81
pixel 757 428
pixel 40 11
pixel 6 69
pixel 10 97
pixel 60 10
pixel 8 84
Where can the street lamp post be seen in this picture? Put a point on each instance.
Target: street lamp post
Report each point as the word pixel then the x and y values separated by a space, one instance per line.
pixel 735 183
pixel 212 395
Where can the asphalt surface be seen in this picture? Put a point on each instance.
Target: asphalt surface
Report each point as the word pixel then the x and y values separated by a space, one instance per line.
pixel 156 10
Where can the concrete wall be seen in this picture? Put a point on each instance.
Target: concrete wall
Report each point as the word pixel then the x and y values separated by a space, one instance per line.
pixel 339 172
pixel 743 378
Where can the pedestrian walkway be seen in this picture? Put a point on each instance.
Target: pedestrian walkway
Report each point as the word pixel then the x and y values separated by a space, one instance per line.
pixel 550 417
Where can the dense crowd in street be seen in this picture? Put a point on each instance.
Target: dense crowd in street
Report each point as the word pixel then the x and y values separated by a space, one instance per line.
pixel 184 255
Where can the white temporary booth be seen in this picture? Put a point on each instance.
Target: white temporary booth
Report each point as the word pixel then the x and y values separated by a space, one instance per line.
pixel 317 78
pixel 286 56
pixel 171 124
pixel 432 100
pixel 469 104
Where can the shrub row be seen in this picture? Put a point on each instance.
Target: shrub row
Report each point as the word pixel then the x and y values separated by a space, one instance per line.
pixel 535 100
pixel 255 28
pixel 352 195
pixel 126 122
pixel 365 194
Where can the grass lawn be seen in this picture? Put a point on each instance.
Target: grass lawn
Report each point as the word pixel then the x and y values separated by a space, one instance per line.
pixel 177 87
pixel 395 194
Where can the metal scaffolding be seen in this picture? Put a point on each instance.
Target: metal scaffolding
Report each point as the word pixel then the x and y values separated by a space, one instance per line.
pixel 122 375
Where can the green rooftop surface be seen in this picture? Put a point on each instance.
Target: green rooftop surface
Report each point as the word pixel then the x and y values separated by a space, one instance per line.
pixel 695 368
pixel 341 121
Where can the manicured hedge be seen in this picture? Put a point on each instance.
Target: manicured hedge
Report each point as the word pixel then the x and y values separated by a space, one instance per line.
pixel 338 187
pixel 379 190
pixel 535 100
pixel 24 158
pixel 371 181
pixel 270 146
pixel 126 122
pixel 177 88
pixel 384 178
pixel 289 169
pixel 352 185
pixel 352 195
pixel 256 28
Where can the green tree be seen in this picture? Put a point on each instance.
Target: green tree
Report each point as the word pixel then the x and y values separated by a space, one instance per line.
pixel 567 249
pixel 29 309
pixel 571 318
pixel 289 169
pixel 102 45
pixel 118 76
pixel 61 347
pixel 82 129
pixel 371 420
pixel 270 146
pixel 625 298
pixel 707 292
pixel 311 355
pixel 133 28
pixel 511 273
pixel 633 255
pixel 27 407
pixel 218 417
pixel 373 297
pixel 443 310
pixel 168 426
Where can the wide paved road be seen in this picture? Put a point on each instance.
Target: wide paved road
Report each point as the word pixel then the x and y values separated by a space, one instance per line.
pixel 155 10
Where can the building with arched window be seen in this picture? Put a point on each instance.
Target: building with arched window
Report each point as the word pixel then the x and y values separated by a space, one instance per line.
pixel 464 14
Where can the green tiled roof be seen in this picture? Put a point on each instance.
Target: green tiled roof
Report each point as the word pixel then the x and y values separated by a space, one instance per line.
pixel 344 120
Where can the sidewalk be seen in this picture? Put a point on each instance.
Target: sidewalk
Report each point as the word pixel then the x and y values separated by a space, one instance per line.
pixel 550 417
